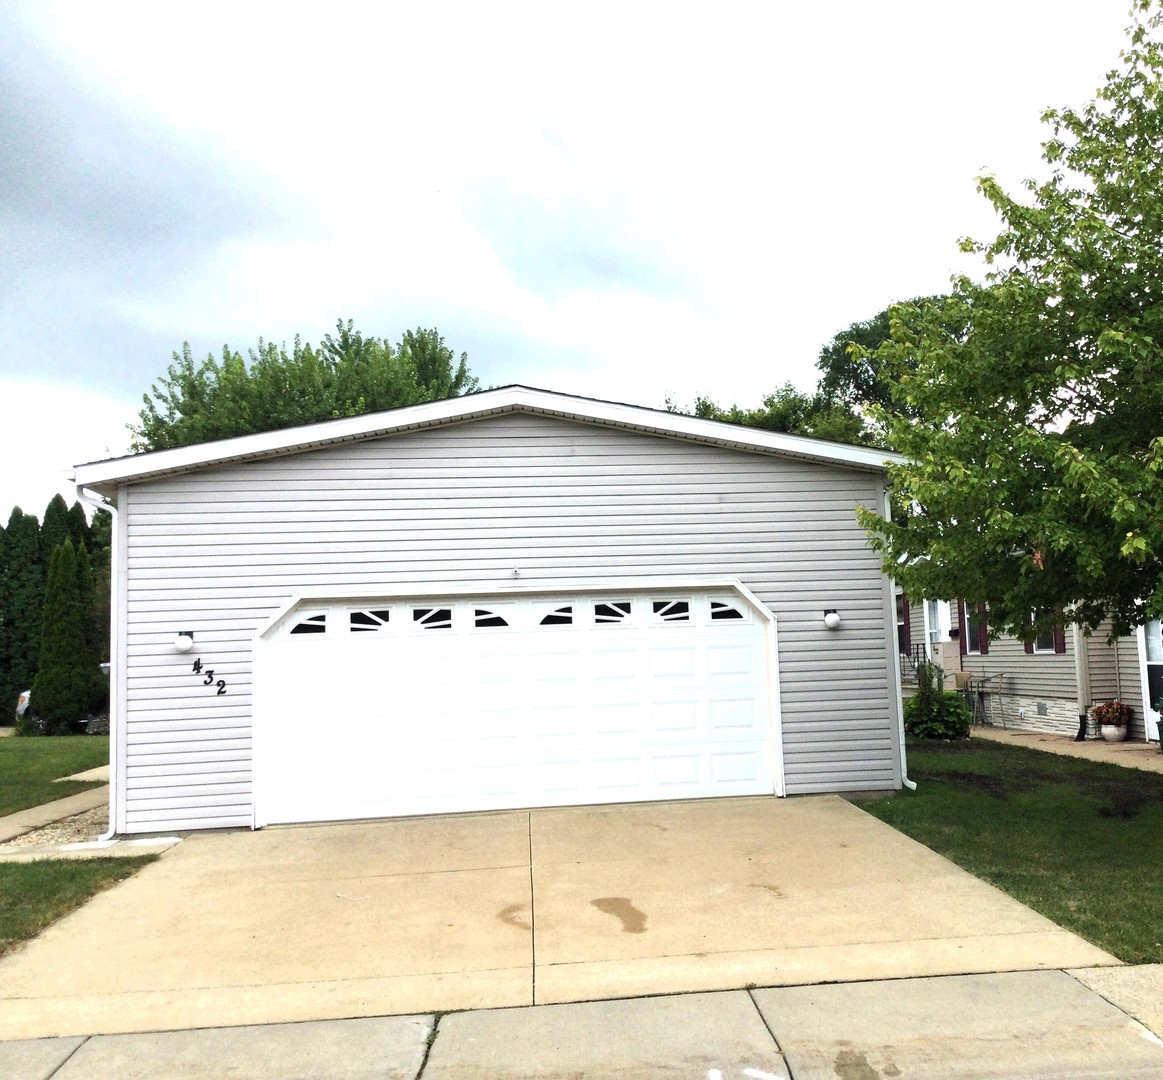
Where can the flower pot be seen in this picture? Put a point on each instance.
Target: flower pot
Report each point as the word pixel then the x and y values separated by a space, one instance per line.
pixel 1113 733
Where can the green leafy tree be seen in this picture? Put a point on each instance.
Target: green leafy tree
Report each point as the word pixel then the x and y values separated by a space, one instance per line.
pixel 63 688
pixel 792 412
pixel 21 603
pixel 851 370
pixel 1034 458
pixel 348 374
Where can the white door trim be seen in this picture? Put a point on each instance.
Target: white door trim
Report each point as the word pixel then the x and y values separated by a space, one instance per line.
pixel 1150 716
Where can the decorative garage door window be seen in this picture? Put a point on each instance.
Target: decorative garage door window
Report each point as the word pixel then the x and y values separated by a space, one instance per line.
pixel 433 618
pixel 672 610
pixel 611 611
pixel 486 618
pixel 312 624
pixel 376 618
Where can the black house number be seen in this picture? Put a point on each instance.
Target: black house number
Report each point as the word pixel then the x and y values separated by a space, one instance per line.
pixel 208 677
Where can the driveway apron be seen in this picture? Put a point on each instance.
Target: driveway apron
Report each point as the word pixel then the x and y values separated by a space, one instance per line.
pixel 438 914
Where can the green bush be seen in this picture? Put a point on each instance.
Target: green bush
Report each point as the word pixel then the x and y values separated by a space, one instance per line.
pixel 934 712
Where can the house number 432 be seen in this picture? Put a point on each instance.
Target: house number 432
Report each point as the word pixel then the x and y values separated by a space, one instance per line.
pixel 208 677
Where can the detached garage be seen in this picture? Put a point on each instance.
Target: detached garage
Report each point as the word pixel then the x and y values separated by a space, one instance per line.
pixel 514 598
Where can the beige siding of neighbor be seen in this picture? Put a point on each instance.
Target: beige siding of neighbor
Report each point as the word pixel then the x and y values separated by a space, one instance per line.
pixel 1029 675
pixel 218 551
pixel 1114 674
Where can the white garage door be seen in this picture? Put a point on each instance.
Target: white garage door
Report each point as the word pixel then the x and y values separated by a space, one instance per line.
pixel 387 707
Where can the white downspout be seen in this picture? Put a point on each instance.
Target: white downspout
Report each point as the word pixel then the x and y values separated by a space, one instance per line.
pixel 114 666
pixel 1082 679
pixel 896 664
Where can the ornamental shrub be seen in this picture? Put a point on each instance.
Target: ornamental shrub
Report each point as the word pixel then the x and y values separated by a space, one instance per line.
pixel 934 712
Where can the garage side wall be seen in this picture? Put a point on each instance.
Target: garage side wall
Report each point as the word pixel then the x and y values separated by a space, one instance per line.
pixel 217 552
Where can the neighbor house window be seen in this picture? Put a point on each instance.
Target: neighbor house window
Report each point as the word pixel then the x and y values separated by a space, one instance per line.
pixel 1048 641
pixel 976 632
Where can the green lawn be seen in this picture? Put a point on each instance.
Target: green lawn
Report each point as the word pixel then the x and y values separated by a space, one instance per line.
pixel 28 767
pixel 1078 841
pixel 35 894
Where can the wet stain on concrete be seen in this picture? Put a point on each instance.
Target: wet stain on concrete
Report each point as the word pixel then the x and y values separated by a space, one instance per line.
pixel 512 916
pixel 633 920
pixel 850 1065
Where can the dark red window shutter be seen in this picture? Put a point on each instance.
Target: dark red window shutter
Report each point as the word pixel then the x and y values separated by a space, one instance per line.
pixel 1060 639
pixel 963 634
pixel 1028 646
pixel 907 622
pixel 984 631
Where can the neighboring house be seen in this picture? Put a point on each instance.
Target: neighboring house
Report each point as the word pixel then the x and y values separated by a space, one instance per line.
pixel 514 598
pixel 1043 685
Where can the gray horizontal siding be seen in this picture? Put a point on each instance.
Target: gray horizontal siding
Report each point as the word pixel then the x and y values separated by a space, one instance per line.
pixel 219 551
pixel 1114 674
pixel 1031 675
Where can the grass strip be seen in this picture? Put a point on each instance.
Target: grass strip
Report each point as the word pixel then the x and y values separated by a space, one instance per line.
pixel 29 765
pixel 1080 842
pixel 33 895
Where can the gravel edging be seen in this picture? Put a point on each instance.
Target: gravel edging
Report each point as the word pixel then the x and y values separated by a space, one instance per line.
pixel 78 829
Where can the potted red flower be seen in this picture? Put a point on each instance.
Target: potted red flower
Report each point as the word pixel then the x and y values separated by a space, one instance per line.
pixel 1112 718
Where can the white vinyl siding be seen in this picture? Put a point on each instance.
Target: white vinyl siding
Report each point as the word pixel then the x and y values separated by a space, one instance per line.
pixel 219 550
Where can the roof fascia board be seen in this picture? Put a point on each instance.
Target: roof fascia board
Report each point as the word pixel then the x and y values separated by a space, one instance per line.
pixel 102 474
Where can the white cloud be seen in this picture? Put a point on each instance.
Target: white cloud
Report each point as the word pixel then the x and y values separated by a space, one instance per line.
pixel 46 431
pixel 624 200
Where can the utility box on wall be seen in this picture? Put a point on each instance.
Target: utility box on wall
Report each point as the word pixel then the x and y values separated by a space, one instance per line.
pixel 947 655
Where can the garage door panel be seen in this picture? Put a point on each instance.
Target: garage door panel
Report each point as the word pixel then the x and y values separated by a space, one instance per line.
pixel 671 717
pixel 439 713
pixel 740 768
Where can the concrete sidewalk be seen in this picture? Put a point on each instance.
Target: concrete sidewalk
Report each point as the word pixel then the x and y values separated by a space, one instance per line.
pixel 1130 755
pixel 1023 1024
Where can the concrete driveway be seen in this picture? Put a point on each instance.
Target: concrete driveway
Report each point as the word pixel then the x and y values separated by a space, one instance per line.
pixel 437 914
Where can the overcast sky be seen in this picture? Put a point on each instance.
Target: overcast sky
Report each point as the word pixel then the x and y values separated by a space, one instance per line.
pixel 627 201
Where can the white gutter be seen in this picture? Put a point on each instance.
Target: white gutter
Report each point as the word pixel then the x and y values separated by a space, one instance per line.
pixel 896 663
pixel 114 666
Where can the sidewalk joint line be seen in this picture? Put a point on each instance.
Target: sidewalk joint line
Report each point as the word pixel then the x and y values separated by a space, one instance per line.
pixel 83 1041
pixel 767 1027
pixel 428 1044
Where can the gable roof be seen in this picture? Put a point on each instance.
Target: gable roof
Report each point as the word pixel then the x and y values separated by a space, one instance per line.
pixel 104 476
